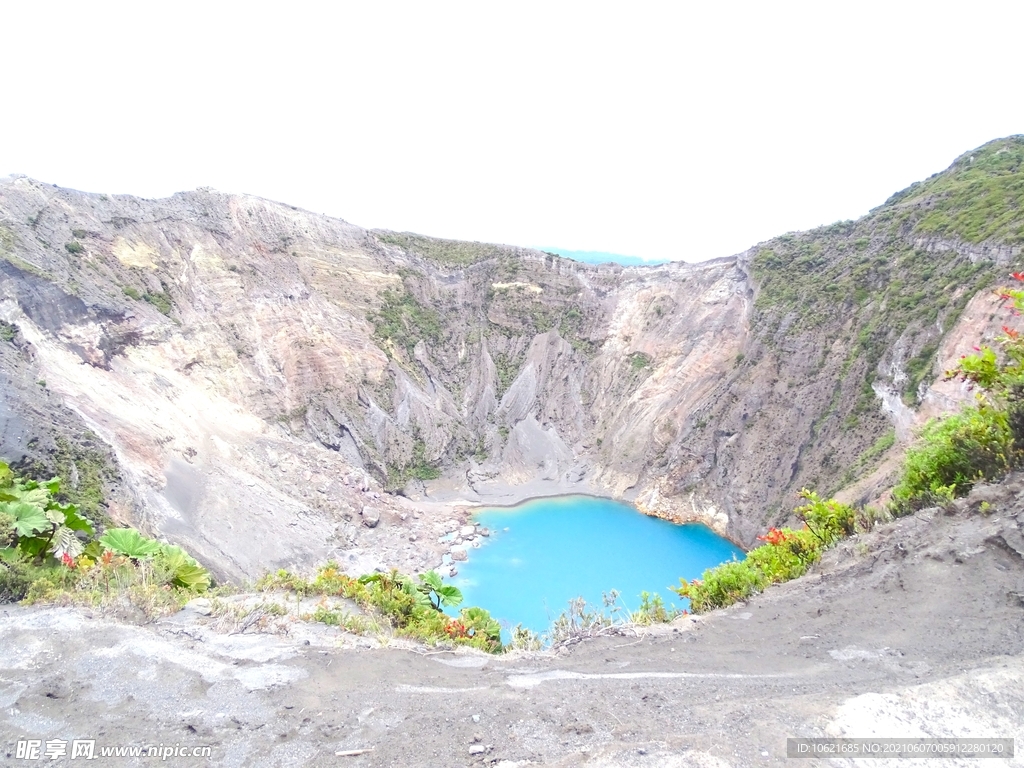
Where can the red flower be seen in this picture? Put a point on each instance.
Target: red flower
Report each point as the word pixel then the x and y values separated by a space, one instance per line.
pixel 775 537
pixel 1017 276
pixel 1010 332
pixel 68 560
pixel 456 629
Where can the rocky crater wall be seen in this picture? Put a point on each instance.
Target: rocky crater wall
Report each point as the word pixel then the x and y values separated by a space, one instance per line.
pixel 258 374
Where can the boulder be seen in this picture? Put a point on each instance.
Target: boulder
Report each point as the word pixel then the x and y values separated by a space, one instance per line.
pixel 371 516
pixel 459 554
pixel 199 605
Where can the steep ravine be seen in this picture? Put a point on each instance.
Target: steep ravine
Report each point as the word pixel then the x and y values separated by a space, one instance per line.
pixel 261 374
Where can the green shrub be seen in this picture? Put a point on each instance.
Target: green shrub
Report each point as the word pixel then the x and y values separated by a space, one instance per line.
pixel 952 454
pixel 131 293
pixel 411 607
pixel 48 553
pixel 161 300
pixel 652 610
pixel 829 520
pixel 74 247
pixel 109 582
pixel 786 554
pixel 723 585
pixel 17 573
pixel 324 616
pixel 402 321
pixel 639 360
pixel 35 522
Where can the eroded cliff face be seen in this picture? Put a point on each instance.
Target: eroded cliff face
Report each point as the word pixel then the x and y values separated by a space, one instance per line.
pixel 263 374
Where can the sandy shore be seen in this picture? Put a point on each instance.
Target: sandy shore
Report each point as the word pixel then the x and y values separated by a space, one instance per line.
pixel 498 493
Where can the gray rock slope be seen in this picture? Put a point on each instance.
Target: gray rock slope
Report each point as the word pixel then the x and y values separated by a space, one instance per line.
pixel 251 375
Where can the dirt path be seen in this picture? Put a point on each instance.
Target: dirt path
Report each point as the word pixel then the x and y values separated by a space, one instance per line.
pixel 914 630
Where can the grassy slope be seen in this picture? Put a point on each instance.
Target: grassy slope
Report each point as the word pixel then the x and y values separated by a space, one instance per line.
pixel 886 288
pixel 873 272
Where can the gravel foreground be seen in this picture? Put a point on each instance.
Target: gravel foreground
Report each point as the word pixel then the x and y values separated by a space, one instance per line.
pixel 916 629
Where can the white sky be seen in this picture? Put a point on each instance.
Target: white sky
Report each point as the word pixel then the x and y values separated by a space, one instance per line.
pixel 664 130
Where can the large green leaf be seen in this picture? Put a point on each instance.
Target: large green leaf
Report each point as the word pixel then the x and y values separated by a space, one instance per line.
pixel 65 542
pixel 75 521
pixel 480 620
pixel 174 557
pixel 28 518
pixel 54 515
pixel 192 576
pixel 431 579
pixel 431 584
pixel 129 542
pixel 31 494
pixel 187 572
pixel 449 595
pixel 33 546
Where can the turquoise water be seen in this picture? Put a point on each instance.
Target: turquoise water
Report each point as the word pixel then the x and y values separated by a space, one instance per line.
pixel 545 552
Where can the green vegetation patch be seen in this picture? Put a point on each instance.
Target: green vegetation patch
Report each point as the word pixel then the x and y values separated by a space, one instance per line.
pixel 412 607
pixel 418 468
pixel 85 471
pixel 980 197
pixel 639 360
pixel 49 552
pixel 954 453
pixel 918 369
pixel 786 554
pixel 507 368
pixel 161 300
pixel 869 457
pixel 7 239
pixel 983 441
pixel 8 331
pixel 813 280
pixel 453 253
pixel 402 321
